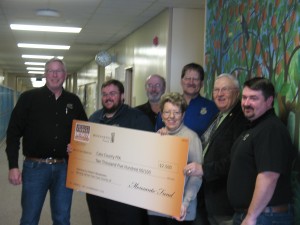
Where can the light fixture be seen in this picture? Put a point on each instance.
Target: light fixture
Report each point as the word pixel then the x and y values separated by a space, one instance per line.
pixel 103 58
pixel 47 12
pixel 45 28
pixel 35 63
pixel 41 56
pixel 42 46
pixel 35 68
pixel 36 72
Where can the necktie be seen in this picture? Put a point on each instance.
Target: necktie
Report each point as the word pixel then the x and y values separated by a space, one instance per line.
pixel 205 138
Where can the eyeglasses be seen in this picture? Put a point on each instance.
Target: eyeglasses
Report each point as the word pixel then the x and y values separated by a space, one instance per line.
pixel 224 90
pixel 110 94
pixel 189 79
pixel 168 113
pixel 55 71
pixel 150 86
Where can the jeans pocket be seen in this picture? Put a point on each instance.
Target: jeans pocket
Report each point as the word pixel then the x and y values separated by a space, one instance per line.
pixel 28 164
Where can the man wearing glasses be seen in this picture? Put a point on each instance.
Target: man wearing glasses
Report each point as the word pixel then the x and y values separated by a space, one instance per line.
pixel 43 118
pixel 200 111
pixel 217 142
pixel 115 113
pixel 155 87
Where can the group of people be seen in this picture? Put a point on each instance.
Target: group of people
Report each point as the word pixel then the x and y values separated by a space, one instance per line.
pixel 239 159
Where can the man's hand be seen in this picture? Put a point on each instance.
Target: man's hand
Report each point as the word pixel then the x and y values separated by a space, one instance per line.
pixel 69 148
pixel 264 189
pixel 249 221
pixel 15 176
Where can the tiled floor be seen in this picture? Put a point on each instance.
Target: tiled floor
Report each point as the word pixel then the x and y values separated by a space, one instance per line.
pixel 10 209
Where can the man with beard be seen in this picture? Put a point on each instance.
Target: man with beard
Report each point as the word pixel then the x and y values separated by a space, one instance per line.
pixel 115 113
pixel 155 87
pixel 259 186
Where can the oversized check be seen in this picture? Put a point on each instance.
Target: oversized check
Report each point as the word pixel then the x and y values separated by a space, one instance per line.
pixel 139 168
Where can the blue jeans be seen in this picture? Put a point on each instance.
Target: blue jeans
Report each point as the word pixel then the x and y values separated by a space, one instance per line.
pixel 38 178
pixel 286 218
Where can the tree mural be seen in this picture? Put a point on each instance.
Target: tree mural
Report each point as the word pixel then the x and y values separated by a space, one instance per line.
pixel 250 38
pixel 257 38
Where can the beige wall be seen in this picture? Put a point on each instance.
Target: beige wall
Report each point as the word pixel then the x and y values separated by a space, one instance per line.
pixel 180 35
pixel 138 52
pixel 181 40
pixel 87 80
pixel 187 42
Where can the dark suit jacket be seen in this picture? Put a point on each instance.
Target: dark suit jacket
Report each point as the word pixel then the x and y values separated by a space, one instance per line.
pixel 217 161
pixel 146 108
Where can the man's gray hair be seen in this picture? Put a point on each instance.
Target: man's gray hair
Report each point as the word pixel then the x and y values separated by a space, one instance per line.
pixel 55 60
pixel 231 77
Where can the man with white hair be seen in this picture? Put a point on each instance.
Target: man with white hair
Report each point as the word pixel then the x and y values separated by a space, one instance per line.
pixel 217 141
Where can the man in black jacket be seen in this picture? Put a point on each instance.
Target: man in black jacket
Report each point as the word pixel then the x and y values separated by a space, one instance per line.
pixel 115 113
pixel 217 142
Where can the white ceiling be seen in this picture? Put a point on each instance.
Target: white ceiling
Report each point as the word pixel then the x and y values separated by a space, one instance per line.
pixel 103 22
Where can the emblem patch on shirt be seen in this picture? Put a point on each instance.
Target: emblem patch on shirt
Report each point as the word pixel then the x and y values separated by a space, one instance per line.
pixel 70 106
pixel 245 137
pixel 203 111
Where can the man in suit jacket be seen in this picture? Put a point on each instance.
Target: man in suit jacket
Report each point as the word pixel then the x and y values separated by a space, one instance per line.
pixel 217 143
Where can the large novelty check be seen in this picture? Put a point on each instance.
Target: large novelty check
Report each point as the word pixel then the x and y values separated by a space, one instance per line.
pixel 138 168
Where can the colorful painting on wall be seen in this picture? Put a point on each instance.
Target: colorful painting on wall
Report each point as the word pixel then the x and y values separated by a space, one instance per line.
pixel 250 38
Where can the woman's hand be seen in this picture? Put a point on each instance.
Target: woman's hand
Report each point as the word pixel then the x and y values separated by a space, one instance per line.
pixel 193 169
pixel 163 131
pixel 182 214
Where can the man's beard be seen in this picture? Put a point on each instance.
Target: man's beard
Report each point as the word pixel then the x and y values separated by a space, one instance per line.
pixel 113 109
pixel 154 97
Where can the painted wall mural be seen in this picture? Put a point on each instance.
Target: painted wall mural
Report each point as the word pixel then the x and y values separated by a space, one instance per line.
pixel 250 38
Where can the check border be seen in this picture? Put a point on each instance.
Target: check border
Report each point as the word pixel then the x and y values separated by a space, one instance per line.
pixel 138 168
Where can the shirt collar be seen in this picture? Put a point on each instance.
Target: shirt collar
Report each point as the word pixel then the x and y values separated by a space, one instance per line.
pixel 267 114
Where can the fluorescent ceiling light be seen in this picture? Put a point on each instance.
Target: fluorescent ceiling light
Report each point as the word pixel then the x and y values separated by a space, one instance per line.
pixel 45 28
pixel 26 45
pixel 36 72
pixel 35 68
pixel 47 12
pixel 41 56
pixel 35 63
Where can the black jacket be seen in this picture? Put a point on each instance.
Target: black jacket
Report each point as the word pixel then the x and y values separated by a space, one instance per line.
pixel 126 117
pixel 45 123
pixel 146 108
pixel 217 161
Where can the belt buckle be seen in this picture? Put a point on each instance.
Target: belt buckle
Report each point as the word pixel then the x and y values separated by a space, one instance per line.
pixel 50 160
